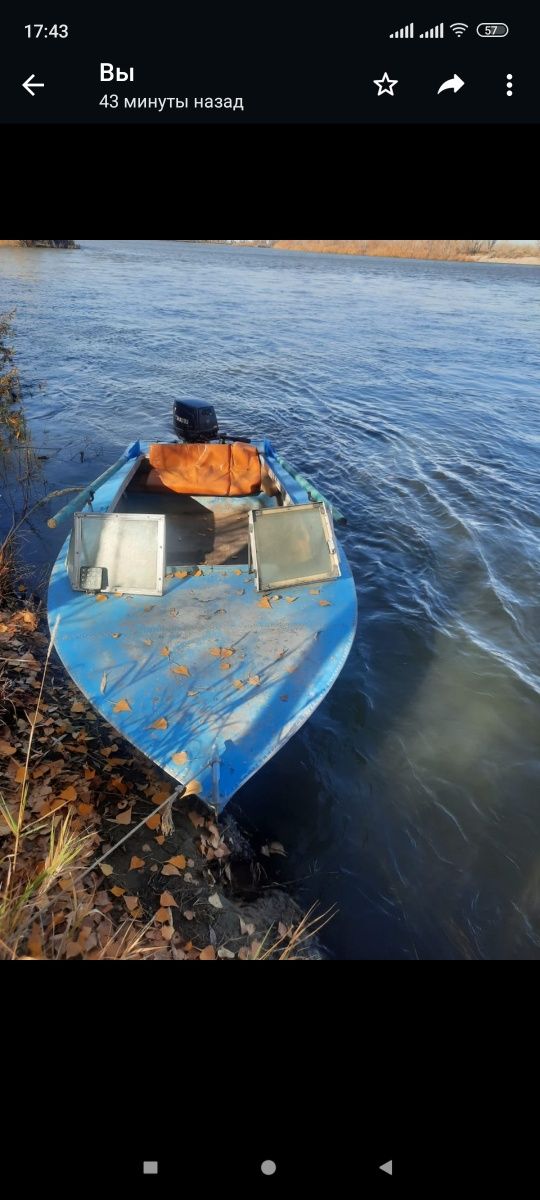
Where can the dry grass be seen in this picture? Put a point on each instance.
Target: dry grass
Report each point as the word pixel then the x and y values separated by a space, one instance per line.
pixel 291 942
pixel 461 251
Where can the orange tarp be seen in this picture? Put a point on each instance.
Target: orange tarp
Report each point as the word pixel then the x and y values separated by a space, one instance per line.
pixel 208 469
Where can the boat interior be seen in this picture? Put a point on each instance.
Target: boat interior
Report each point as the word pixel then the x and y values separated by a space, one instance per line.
pixel 198 529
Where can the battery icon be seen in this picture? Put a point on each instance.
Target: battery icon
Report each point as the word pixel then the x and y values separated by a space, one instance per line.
pixel 497 29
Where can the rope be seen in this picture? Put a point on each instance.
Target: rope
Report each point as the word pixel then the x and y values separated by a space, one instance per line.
pixel 178 791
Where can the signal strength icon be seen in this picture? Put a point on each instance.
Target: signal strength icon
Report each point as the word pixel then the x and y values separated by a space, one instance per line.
pixel 436 32
pixel 406 32
pixel 459 28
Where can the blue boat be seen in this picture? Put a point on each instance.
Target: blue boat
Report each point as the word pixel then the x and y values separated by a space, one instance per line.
pixel 205 626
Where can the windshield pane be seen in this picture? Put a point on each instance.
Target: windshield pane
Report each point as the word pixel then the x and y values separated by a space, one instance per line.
pixel 293 545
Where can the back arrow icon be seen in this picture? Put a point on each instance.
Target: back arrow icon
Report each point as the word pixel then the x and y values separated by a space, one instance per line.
pixel 29 82
pixel 456 83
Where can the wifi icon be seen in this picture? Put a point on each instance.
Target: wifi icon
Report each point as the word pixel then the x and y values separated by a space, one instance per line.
pixel 459 28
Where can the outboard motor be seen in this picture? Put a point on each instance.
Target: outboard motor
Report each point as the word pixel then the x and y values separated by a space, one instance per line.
pixel 195 420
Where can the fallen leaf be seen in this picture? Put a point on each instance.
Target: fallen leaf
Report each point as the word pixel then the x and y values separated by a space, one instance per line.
pixel 325 603
pixel 69 793
pixel 105 868
pixel 277 848
pixel 181 670
pixel 154 821
pixel 181 574
pixel 167 933
pixel 77 707
pixel 167 901
pixel 291 599
pixel 162 914
pixel 237 683
pixel 67 883
pixel 118 891
pixel 265 851
pixel 116 635
pixel 314 591
pixel 122 706
pixel 147 641
pixel 192 788
pixel 148 607
pixel 136 863
pixel 243 952
pixel 255 947
pixel 264 603
pixel 254 679
pixel 178 861
pixel 225 666
pixel 101 597
pixel 6 749
pixel 131 902
pixel 198 571
pixel 208 952
pixel 160 795
pixel 188 914
pixel 74 948
pixel 226 653
pixel 224 953
pixel 282 930
pixel 21 772
pixel 196 819
pixel 124 818
pixel 180 757
pixel 215 901
pixel 160 839
pixel 89 773
pixel 29 618
pixel 237 572
pixel 168 869
pixel 215 651
pixel 84 810
pixel 165 652
pixel 159 724
pixel 246 927
pixel 193 693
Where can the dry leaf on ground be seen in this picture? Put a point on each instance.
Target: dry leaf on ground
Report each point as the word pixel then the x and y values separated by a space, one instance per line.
pixel 178 861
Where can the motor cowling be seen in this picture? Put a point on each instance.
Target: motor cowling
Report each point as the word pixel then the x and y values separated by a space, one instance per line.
pixel 195 420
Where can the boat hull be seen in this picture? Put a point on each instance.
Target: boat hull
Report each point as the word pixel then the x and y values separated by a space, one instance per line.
pixel 205 680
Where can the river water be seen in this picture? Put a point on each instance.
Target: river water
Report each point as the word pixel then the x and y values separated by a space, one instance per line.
pixel 409 391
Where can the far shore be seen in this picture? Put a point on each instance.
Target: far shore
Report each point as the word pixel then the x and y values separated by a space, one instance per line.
pixel 509 254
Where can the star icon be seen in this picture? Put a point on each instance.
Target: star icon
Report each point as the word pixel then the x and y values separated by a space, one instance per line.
pixel 385 84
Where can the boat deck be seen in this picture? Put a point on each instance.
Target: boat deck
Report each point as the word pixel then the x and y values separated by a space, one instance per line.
pixel 195 534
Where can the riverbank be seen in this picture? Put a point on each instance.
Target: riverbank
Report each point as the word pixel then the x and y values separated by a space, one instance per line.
pixel 52 245
pixel 450 251
pixel 94 860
